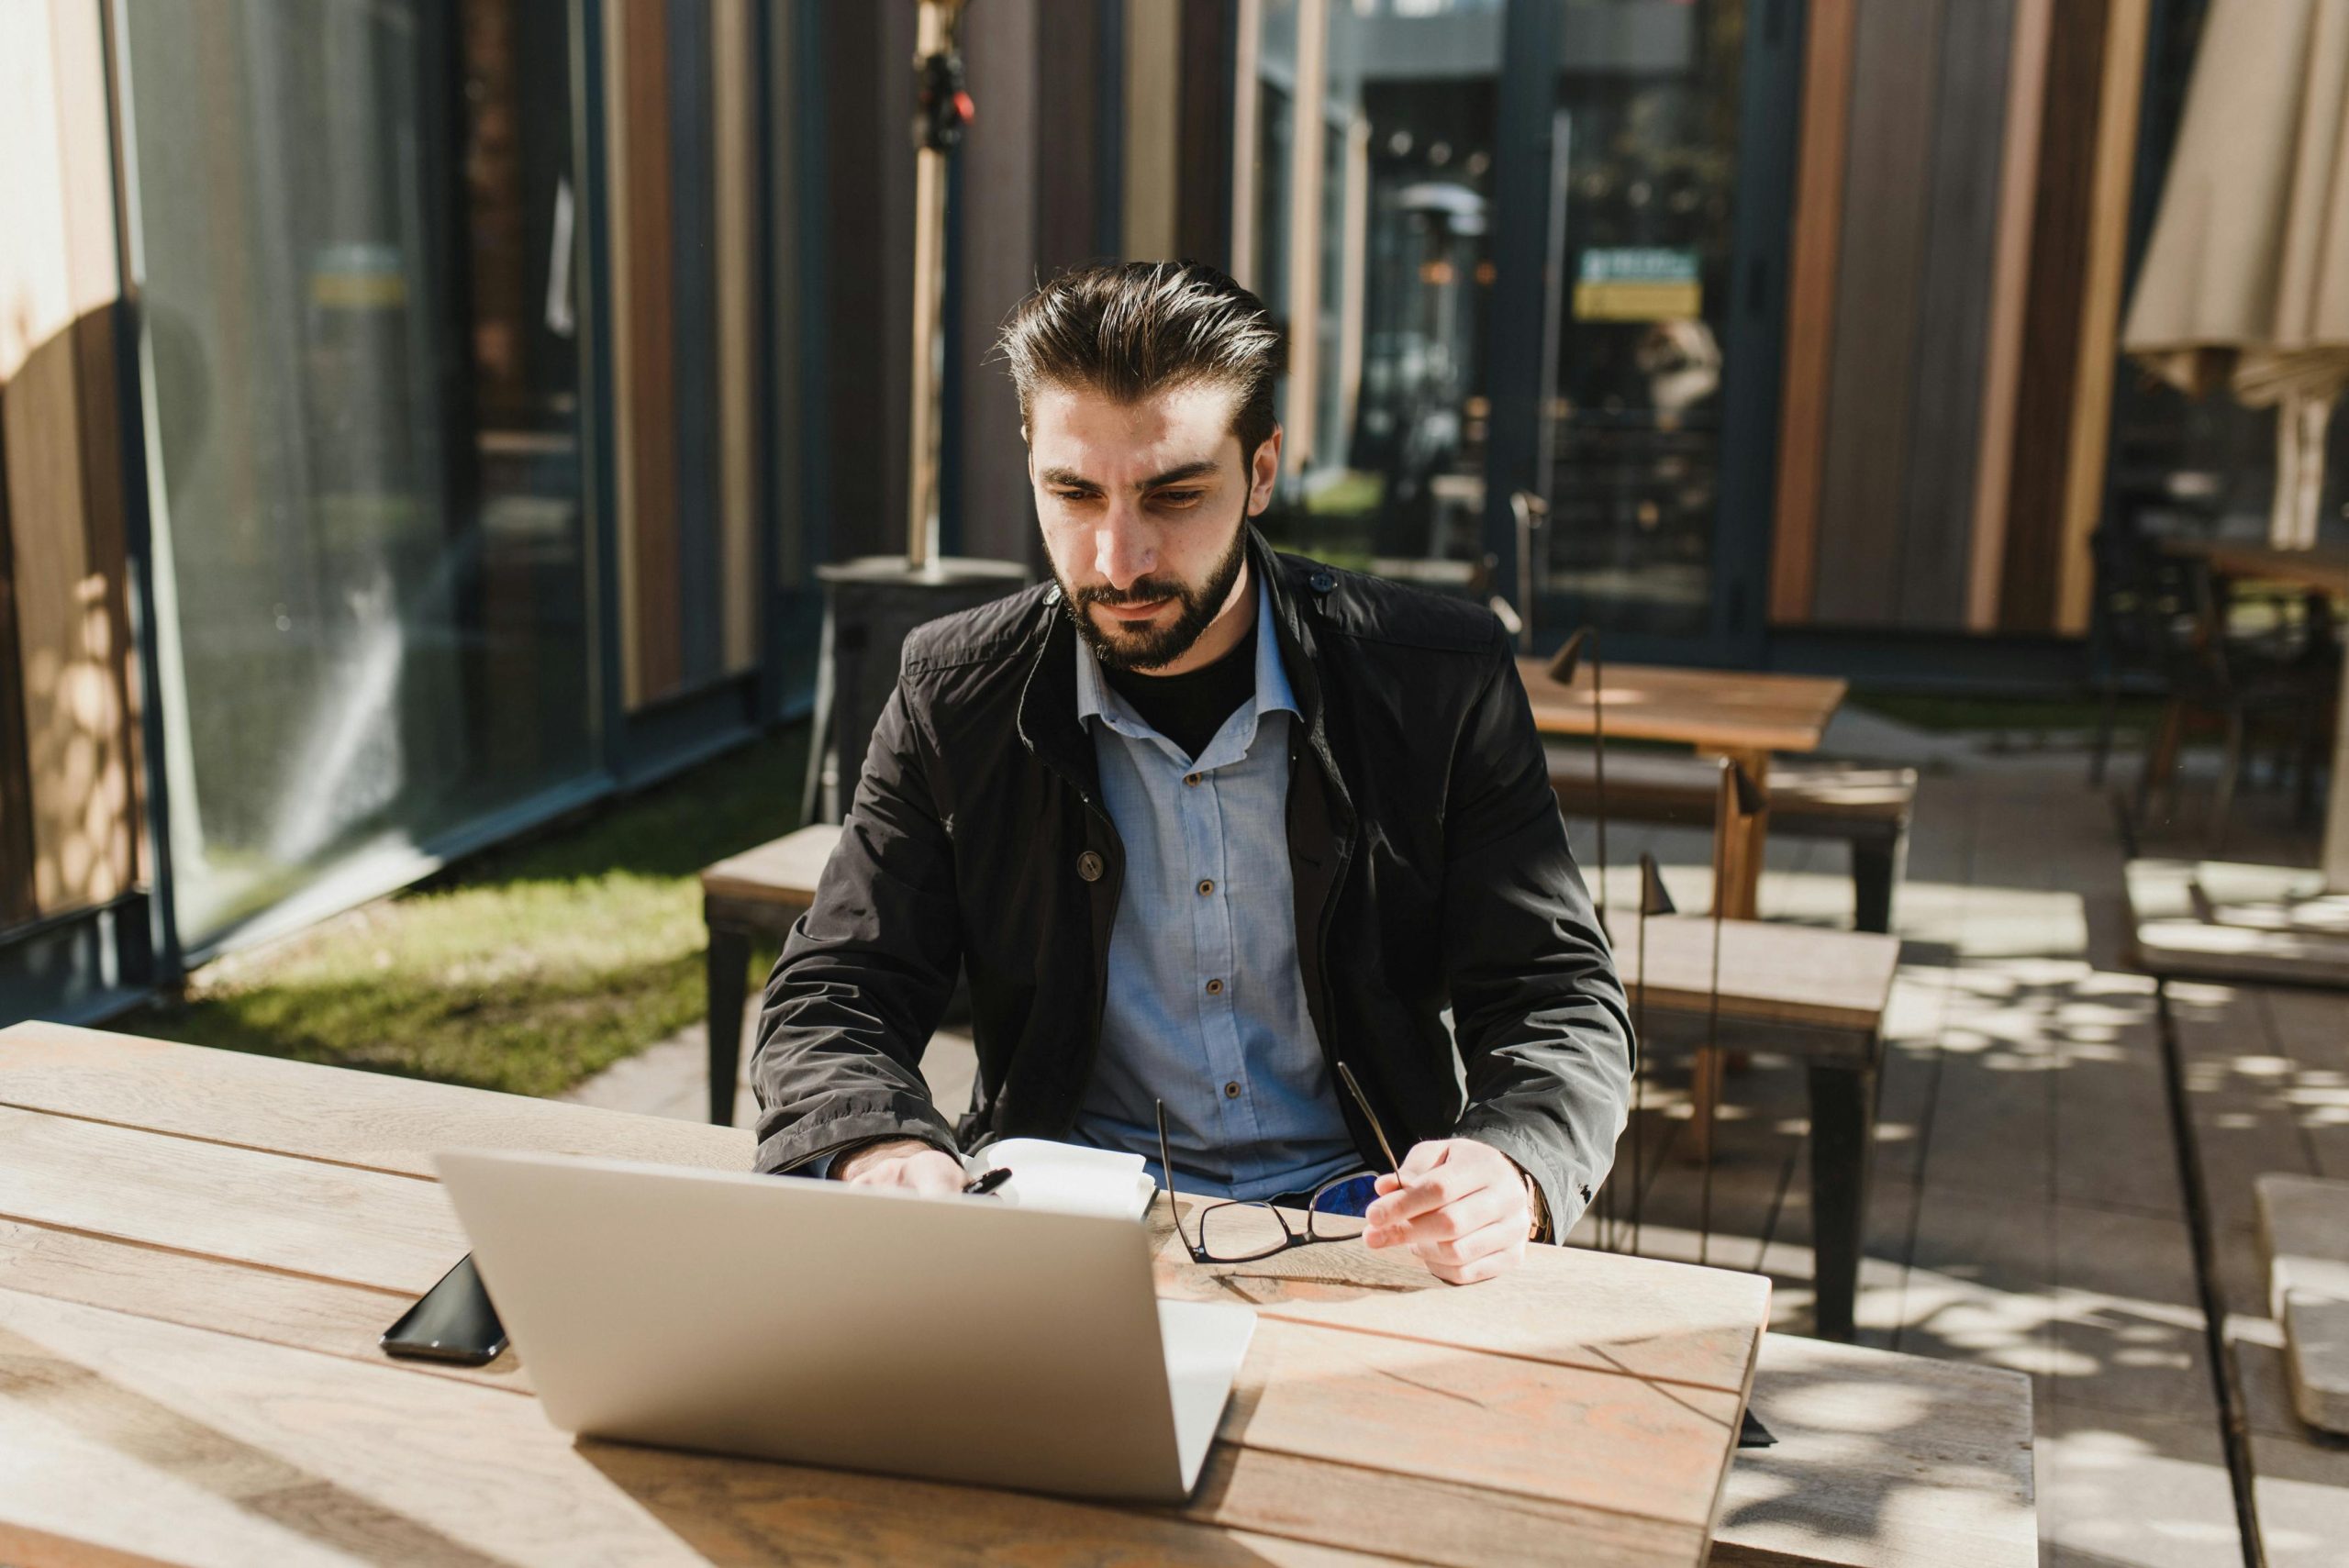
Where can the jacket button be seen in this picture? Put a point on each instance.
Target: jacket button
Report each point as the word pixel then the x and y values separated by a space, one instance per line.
pixel 1232 1091
pixel 1215 987
pixel 1089 866
pixel 1191 779
pixel 1322 582
pixel 1207 887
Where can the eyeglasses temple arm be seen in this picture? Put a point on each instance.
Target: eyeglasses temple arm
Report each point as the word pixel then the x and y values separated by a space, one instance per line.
pixel 1370 1116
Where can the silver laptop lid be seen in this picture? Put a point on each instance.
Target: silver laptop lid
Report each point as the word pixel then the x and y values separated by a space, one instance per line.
pixel 802 1320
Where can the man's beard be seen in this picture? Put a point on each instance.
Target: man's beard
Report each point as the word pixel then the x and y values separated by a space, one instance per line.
pixel 1122 647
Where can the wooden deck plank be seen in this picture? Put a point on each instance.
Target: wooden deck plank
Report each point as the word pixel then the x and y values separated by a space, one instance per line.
pixel 373 1120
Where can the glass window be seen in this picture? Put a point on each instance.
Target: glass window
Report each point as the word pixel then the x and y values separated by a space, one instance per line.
pixel 355 226
pixel 1646 112
pixel 1384 400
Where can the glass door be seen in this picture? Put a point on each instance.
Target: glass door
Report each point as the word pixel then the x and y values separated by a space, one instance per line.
pixel 1524 251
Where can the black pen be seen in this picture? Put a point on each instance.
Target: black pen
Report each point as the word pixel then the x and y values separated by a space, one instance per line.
pixel 986 1181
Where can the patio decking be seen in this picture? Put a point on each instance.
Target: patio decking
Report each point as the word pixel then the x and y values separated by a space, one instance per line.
pixel 2030 1206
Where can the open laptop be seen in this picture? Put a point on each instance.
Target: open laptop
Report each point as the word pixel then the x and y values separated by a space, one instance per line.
pixel 954 1339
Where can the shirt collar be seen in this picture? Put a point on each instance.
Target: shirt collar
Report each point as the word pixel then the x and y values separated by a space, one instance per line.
pixel 1096 700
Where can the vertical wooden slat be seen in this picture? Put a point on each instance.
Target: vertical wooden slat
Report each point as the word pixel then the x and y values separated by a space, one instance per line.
pixel 1202 137
pixel 1245 97
pixel 1954 296
pixel 1154 64
pixel 1308 129
pixel 68 619
pixel 2107 240
pixel 1066 109
pixel 2011 274
pixel 645 369
pixel 732 104
pixel 1811 307
pixel 1870 395
pixel 16 780
pixel 2048 377
pixel 1003 49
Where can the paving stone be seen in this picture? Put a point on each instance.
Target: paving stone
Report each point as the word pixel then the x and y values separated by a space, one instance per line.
pixel 2146 1491
pixel 2301 1496
pixel 2128 1331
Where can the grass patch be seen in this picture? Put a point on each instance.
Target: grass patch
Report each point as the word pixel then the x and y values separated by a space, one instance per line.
pixel 526 968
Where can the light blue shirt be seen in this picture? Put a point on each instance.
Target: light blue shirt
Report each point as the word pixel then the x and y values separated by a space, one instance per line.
pixel 1206 1006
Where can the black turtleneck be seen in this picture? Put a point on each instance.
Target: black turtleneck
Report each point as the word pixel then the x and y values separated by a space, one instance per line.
pixel 1190 708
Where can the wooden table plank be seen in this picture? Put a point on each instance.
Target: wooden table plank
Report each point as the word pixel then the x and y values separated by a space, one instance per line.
pixel 248 1207
pixel 1501 1423
pixel 1261 1489
pixel 371 1119
pixel 1721 710
pixel 1567 1305
pixel 292 1310
pixel 236 1453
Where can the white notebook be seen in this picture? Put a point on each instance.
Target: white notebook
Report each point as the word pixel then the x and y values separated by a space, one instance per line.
pixel 1067 1178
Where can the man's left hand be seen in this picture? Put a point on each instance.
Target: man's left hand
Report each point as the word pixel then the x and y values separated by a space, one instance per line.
pixel 1460 1207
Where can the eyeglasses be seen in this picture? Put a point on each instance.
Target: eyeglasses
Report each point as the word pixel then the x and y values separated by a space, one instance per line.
pixel 1238 1231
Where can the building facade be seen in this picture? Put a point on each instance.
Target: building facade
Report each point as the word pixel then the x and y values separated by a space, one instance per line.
pixel 420 418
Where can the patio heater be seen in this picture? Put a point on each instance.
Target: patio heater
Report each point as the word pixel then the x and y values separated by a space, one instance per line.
pixel 871 602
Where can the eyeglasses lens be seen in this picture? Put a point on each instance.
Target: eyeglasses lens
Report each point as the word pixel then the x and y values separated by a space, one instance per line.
pixel 1235 1232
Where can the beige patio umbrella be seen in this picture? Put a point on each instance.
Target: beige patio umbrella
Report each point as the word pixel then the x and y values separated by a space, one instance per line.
pixel 2246 282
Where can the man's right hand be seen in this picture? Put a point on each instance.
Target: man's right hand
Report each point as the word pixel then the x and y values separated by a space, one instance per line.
pixel 906 1162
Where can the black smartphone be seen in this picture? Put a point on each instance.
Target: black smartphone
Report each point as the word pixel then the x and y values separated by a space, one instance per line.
pixel 453 1321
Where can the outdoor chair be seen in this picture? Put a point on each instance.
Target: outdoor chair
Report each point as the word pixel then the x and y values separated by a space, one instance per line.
pixel 2162 624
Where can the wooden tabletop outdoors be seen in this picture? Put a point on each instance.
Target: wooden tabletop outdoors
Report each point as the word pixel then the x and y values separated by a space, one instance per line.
pixel 2324 568
pixel 1735 711
pixel 198 1250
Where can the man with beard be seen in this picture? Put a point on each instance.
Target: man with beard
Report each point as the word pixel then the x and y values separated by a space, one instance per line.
pixel 1204 823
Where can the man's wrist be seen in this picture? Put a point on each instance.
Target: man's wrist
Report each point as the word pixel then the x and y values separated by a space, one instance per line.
pixel 840 1160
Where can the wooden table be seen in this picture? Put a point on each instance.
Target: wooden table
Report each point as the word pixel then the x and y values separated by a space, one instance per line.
pixel 198 1250
pixel 2323 569
pixel 1740 715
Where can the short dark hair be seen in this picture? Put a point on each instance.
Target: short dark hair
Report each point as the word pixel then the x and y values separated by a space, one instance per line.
pixel 1131 329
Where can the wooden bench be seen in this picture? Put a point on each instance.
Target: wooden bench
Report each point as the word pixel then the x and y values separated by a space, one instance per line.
pixel 1867 808
pixel 759 892
pixel 1883 1460
pixel 1793 991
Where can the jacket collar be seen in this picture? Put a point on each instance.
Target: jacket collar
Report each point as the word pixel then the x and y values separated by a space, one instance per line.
pixel 1049 725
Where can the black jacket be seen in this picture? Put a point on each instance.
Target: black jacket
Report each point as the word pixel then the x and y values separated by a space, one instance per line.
pixel 1428 857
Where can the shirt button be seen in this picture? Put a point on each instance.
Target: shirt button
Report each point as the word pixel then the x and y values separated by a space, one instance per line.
pixel 1205 888
pixel 1191 779
pixel 1215 987
pixel 1089 866
pixel 1232 1091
